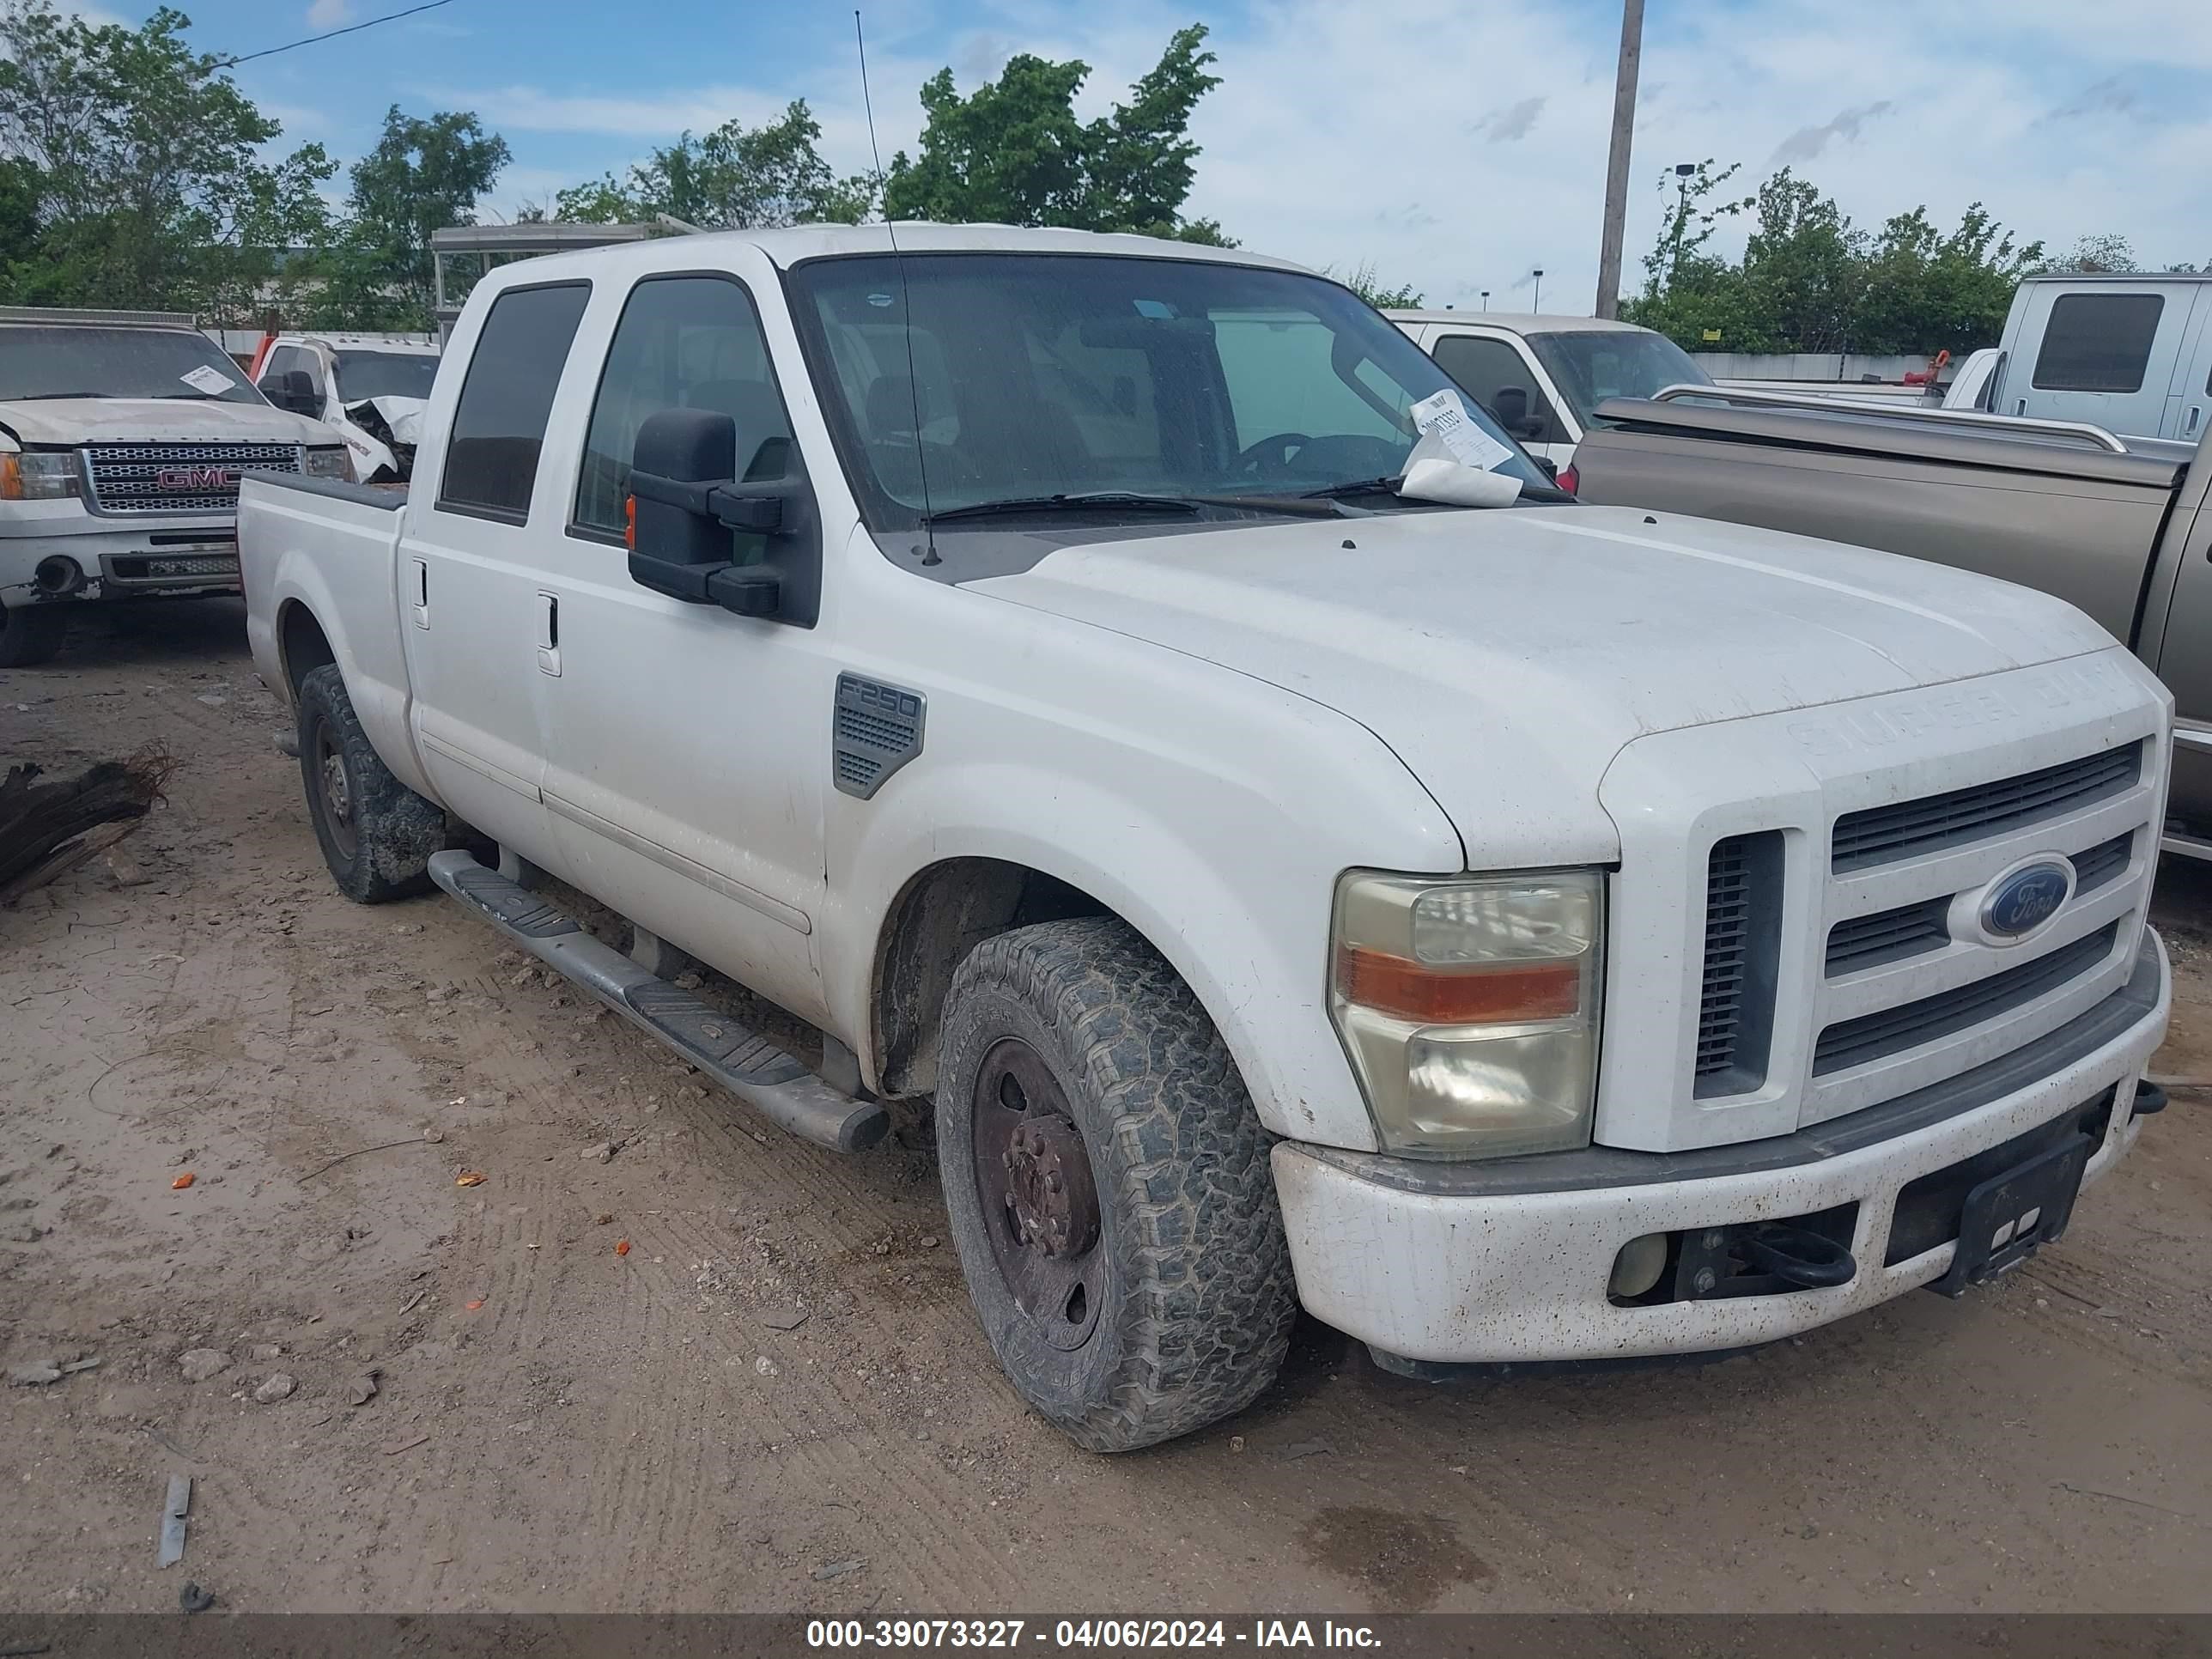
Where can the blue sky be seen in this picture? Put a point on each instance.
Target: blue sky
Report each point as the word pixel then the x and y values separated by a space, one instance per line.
pixel 1455 144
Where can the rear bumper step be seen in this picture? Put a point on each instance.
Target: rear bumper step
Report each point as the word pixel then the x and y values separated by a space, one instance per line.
pixel 736 1056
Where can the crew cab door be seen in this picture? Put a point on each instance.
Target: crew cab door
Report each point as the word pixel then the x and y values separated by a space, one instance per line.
pixel 1499 373
pixel 480 514
pixel 689 748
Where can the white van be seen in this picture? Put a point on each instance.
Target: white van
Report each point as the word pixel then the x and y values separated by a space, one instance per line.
pixel 1540 376
pixel 2128 351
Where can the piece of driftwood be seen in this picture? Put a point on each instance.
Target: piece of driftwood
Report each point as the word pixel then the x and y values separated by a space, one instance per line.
pixel 51 825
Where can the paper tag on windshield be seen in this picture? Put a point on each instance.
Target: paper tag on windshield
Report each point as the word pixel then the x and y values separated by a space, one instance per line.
pixel 1444 416
pixel 213 381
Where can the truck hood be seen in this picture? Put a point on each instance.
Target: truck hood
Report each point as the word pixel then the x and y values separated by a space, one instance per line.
pixel 72 421
pixel 1508 655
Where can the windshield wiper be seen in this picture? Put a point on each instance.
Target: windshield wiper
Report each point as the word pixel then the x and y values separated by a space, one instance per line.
pixel 1104 500
pixel 1531 495
pixel 1337 492
pixel 46 396
pixel 1117 501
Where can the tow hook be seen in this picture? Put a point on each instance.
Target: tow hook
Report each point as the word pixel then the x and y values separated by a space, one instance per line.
pixel 1797 1254
pixel 2150 1099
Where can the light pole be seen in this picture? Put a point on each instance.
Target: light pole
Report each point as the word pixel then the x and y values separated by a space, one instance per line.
pixel 1684 172
pixel 1485 298
pixel 1616 160
pixel 1538 302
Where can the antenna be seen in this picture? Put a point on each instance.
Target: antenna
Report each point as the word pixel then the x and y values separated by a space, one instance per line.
pixel 906 295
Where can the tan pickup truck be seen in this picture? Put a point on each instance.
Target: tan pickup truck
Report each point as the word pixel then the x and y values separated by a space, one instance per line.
pixel 2119 529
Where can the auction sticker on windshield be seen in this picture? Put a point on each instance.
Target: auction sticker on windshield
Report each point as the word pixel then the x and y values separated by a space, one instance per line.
pixel 1444 415
pixel 213 381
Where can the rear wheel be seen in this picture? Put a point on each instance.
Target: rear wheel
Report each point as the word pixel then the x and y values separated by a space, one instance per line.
pixel 1108 1186
pixel 31 633
pixel 377 834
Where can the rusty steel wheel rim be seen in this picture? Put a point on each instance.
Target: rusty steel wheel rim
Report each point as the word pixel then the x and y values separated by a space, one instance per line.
pixel 1040 1199
pixel 336 788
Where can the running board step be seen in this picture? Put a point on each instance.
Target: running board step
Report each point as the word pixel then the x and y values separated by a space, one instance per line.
pixel 740 1059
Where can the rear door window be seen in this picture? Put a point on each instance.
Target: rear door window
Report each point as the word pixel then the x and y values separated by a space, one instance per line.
pixel 2098 341
pixel 499 427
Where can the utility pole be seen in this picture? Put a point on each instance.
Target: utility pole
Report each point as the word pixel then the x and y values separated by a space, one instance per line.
pixel 1616 160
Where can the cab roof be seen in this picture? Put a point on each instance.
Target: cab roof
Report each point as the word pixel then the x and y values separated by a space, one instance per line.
pixel 787 246
pixel 1519 322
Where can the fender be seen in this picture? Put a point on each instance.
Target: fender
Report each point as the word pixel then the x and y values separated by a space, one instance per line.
pixel 1212 812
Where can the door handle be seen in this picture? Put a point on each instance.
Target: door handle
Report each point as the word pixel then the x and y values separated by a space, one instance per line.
pixel 549 634
pixel 2195 410
pixel 419 579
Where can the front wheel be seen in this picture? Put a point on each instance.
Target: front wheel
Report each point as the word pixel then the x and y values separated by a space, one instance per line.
pixel 377 834
pixel 31 633
pixel 1108 1186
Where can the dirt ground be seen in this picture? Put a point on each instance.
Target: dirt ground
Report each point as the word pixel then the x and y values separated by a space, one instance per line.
pixel 556 1426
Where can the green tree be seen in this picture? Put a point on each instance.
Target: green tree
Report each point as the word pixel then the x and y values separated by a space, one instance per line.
pixel 1013 151
pixel 1810 280
pixel 425 173
pixel 734 178
pixel 2098 253
pixel 1687 291
pixel 1361 280
pixel 1926 290
pixel 143 165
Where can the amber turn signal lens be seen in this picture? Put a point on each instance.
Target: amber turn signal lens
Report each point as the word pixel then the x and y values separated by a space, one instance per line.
pixel 1479 996
pixel 630 522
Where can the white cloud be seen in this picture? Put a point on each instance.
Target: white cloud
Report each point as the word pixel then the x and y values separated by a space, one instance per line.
pixel 329 14
pixel 1468 161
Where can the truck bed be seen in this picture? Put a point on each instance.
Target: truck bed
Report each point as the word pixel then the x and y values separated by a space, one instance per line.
pixel 2072 518
pixel 317 554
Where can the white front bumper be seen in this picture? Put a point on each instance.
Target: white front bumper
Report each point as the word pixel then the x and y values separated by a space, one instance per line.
pixel 117 553
pixel 1448 1277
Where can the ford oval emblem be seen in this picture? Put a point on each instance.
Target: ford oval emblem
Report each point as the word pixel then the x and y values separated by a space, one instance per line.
pixel 2025 899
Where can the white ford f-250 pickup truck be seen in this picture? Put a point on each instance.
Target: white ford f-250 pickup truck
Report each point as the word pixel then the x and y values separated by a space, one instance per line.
pixel 1518 931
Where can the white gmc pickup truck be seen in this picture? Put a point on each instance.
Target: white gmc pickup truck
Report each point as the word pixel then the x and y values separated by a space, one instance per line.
pixel 1060 668
pixel 123 436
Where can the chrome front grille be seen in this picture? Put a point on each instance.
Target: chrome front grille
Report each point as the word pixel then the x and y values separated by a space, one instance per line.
pixel 127 478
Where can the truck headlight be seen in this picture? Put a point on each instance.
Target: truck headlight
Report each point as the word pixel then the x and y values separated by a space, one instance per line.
pixel 329 464
pixel 37 477
pixel 1469 1007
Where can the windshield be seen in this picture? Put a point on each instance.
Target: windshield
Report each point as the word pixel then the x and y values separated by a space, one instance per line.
pixel 1613 362
pixel 39 362
pixel 1027 376
pixel 385 375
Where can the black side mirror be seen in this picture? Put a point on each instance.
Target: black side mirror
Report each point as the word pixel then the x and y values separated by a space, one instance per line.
pixel 685 501
pixel 299 393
